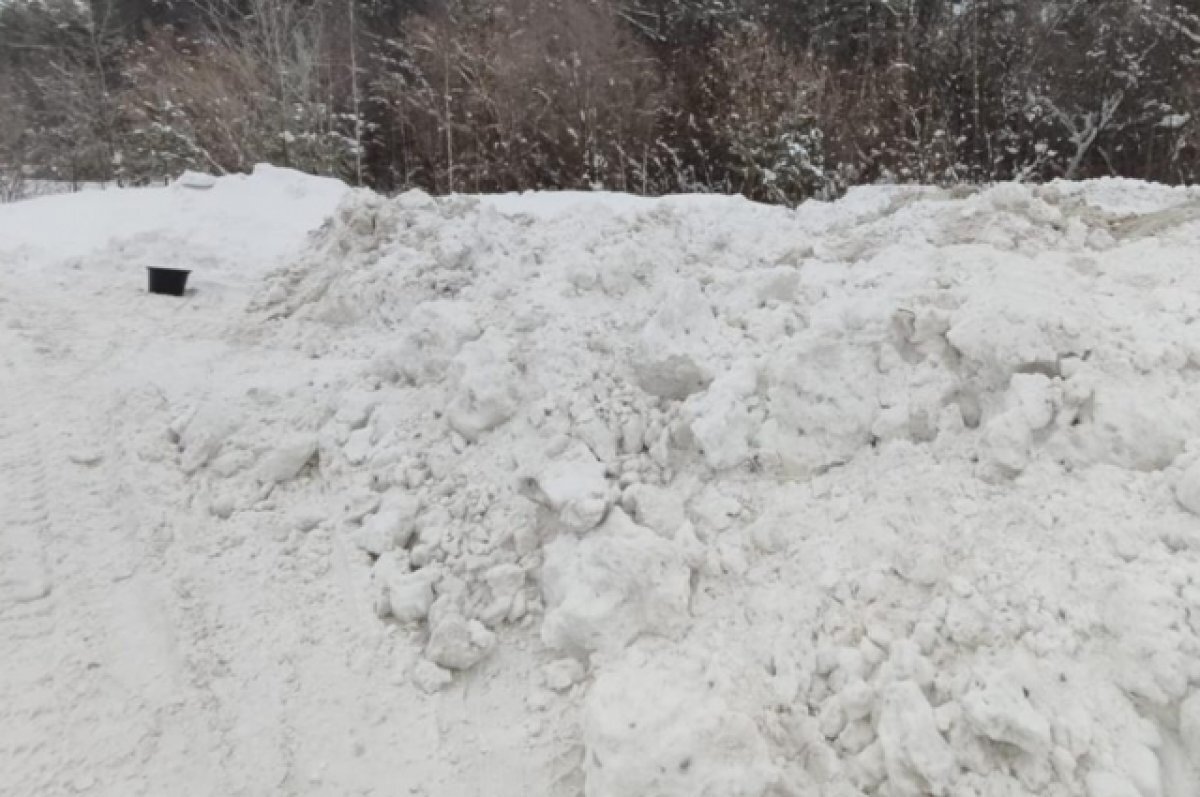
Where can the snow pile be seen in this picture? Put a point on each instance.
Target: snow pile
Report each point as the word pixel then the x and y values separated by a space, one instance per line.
pixel 894 496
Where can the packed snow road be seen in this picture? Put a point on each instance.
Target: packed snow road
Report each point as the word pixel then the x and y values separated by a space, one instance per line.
pixel 590 494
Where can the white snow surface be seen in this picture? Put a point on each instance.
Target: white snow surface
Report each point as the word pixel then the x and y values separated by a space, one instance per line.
pixel 587 494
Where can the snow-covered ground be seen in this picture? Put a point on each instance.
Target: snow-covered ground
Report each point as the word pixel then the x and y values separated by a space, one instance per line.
pixel 590 494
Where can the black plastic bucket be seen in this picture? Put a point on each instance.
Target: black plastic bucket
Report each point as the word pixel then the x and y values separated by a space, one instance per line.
pixel 170 281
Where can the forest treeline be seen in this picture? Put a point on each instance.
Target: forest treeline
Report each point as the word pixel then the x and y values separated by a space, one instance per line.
pixel 775 99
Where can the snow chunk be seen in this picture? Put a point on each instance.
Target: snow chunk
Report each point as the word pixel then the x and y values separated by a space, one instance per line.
pixel 655 507
pixel 822 402
pixel 436 331
pixel 457 643
pixel 676 343
pixel 195 180
pixel 486 387
pixel 1008 441
pixel 918 760
pixel 203 434
pixel 605 589
pixel 287 460
pixel 391 527
pixel 410 595
pixel 574 488
pixel 720 421
pixel 1000 712
pixel 430 678
pixel 1187 489
pixel 1034 396
pixel 1139 426
pixel 505 583
pixel 654 730
pixel 406 596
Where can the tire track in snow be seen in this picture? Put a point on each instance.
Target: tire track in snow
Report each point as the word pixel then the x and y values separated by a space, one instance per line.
pixel 31 716
pixel 90 700
pixel 25 578
pixel 146 685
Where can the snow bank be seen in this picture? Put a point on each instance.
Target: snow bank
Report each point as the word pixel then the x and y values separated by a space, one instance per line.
pixel 904 468
pixel 228 227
